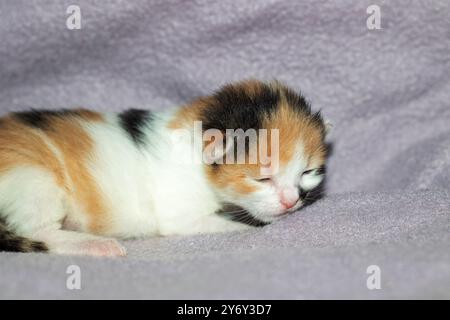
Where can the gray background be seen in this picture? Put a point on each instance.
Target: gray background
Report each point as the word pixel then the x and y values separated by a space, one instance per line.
pixel 386 91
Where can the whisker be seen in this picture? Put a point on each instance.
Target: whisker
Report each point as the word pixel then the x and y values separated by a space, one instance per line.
pixel 234 212
pixel 230 212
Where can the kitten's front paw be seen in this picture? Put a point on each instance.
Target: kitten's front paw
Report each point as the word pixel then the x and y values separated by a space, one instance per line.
pixel 103 248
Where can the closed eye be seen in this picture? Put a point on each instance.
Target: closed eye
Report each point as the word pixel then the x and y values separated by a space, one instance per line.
pixel 317 171
pixel 265 179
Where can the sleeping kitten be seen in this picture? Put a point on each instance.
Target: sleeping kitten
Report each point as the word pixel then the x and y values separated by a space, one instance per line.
pixel 72 181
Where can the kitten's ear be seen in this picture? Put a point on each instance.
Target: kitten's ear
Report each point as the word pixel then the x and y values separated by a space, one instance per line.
pixel 328 127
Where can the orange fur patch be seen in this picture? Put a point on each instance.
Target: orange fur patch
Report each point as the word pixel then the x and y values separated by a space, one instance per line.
pixel 233 176
pixel 76 146
pixel 89 115
pixel 24 145
pixel 295 129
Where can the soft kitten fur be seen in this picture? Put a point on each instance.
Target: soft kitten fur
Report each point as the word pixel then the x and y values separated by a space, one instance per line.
pixel 73 180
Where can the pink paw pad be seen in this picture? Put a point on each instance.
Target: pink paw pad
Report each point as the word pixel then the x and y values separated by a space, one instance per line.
pixel 104 248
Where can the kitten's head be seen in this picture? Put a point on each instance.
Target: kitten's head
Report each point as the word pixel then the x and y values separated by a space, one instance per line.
pixel 297 155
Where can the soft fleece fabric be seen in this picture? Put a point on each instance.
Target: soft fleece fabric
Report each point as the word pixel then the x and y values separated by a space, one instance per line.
pixel 386 91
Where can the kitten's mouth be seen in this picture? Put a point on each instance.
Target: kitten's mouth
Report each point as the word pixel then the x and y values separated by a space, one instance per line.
pixel 286 212
pixel 295 208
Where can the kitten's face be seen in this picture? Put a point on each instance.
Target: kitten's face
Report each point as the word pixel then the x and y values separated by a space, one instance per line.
pixel 269 194
pixel 270 197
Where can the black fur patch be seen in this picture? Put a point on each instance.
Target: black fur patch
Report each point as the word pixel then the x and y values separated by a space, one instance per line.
pixel 12 242
pixel 133 121
pixel 309 197
pixel 39 118
pixel 235 107
pixel 238 214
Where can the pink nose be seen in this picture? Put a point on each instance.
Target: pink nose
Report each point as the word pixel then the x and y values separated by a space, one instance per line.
pixel 289 197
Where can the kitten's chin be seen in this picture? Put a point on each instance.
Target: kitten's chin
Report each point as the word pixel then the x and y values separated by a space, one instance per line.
pixel 267 218
pixel 256 218
pixel 270 218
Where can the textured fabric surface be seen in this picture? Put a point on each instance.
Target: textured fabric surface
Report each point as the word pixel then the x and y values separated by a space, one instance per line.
pixel 387 93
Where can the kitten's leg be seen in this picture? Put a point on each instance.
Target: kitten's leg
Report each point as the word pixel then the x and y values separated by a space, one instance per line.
pixel 77 243
pixel 32 202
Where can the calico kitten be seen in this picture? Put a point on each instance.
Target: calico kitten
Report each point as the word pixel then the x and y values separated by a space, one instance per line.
pixel 73 181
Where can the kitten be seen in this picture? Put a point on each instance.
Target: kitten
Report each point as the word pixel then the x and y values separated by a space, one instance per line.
pixel 73 181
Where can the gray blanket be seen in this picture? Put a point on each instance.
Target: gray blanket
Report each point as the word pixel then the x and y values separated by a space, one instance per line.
pixel 386 91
